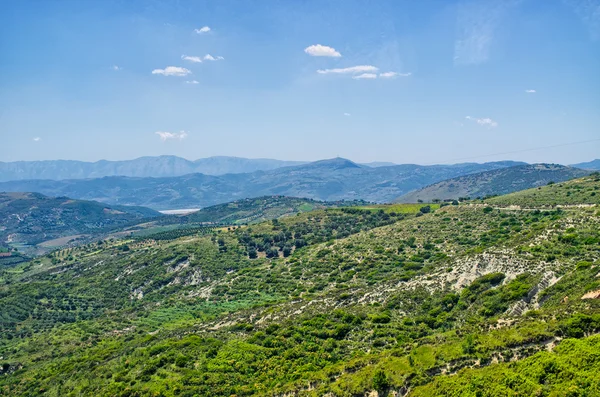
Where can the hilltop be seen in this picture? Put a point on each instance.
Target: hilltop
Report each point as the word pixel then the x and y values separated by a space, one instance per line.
pixel 495 182
pixel 325 180
pixel 32 219
pixel 408 299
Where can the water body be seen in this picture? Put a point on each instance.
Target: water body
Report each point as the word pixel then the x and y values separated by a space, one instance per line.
pixel 180 211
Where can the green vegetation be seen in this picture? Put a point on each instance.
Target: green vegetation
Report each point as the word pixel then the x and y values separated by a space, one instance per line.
pixel 455 300
pixel 255 210
pixel 31 219
pixel 583 191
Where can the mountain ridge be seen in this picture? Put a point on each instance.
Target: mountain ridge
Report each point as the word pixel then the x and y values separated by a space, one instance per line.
pixel 327 180
pixel 494 182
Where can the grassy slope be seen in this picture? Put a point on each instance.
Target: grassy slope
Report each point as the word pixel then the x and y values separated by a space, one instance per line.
pixel 373 300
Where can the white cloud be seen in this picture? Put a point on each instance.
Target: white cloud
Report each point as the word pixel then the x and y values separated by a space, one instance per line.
pixel 37 139
pixel 352 69
pixel 191 58
pixel 204 29
pixel 172 71
pixel 318 50
pixel 530 91
pixel 209 57
pixel 116 68
pixel 164 135
pixel 365 76
pixel 391 75
pixel 192 82
pixel 347 114
pixel 486 121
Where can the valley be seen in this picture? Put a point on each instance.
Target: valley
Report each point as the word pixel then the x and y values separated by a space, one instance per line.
pixel 411 299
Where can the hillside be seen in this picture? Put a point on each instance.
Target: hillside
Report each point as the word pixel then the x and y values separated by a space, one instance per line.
pixel 454 300
pixel 325 180
pixel 495 182
pixel 590 165
pixel 582 191
pixel 253 210
pixel 32 219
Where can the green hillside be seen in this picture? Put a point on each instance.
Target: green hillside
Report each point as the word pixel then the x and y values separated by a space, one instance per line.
pixel 28 220
pixel 253 210
pixel 457 300
pixel 495 182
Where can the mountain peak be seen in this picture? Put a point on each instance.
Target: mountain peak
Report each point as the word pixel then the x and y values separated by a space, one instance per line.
pixel 336 163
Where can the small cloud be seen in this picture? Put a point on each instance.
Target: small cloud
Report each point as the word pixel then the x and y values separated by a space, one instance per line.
pixel 350 70
pixel 116 68
pixel 37 139
pixel 164 135
pixel 202 30
pixel 191 58
pixel 365 76
pixel 391 75
pixel 172 71
pixel 530 91
pixel 486 121
pixel 192 82
pixel 209 57
pixel 318 50
pixel 347 114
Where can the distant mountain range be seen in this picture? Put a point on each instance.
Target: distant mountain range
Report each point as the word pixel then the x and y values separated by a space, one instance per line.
pixel 161 166
pixel 32 218
pixel 499 181
pixel 328 180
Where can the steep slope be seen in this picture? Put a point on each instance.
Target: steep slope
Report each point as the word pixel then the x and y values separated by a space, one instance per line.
pixel 338 301
pixel 32 218
pixel 327 180
pixel 161 166
pixel 494 182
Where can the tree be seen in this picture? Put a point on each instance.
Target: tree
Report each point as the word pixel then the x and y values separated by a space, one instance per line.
pixel 380 380
pixel 252 254
pixel 272 252
pixel 287 250
pixel 425 210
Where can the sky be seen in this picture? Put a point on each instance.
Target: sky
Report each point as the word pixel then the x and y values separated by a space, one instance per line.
pixel 431 81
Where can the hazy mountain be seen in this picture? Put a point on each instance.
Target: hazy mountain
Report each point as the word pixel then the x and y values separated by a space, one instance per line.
pixel 590 165
pixel 329 180
pixel 32 218
pixel 500 181
pixel 161 166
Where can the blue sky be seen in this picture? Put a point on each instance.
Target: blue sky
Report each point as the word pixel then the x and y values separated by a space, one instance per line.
pixel 425 82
